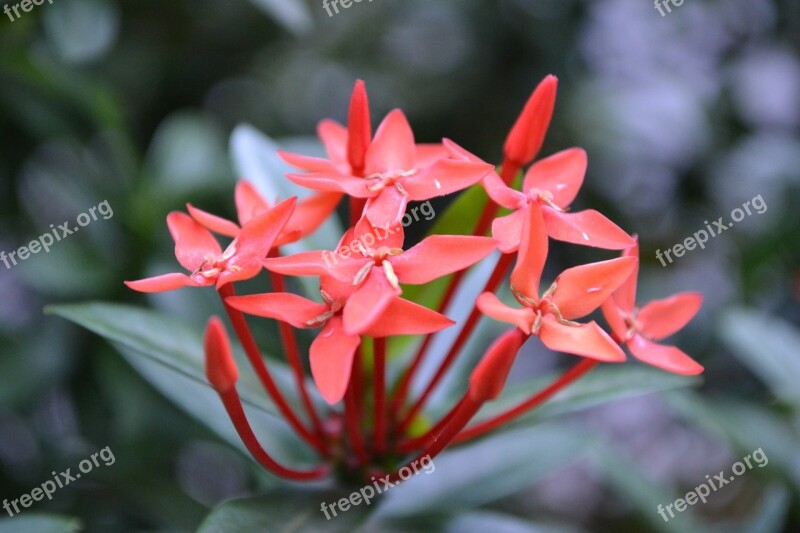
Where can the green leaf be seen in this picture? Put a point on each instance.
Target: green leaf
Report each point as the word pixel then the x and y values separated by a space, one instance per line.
pixel 39 523
pixel 169 355
pixel 488 470
pixel 296 511
pixel 769 347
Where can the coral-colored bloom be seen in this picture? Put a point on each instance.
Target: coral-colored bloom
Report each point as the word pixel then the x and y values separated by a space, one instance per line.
pixel 199 252
pixel 370 276
pixel 553 183
pixel 308 215
pixel 575 293
pixel 640 328
pixel 527 135
pixel 331 353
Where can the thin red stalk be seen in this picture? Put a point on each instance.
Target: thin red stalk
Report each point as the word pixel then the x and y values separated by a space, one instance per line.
pixel 293 356
pixel 356 209
pixel 352 410
pixel 257 362
pixel 380 395
pixel 423 440
pixel 233 406
pixel 463 336
pixel 534 401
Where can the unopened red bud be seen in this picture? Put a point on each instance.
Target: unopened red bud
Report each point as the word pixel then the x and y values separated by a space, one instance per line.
pixel 527 135
pixel 359 130
pixel 489 377
pixel 221 369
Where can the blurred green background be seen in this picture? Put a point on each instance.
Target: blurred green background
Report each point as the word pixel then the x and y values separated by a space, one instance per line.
pixel 685 117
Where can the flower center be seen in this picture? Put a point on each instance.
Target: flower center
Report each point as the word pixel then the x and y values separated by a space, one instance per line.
pixel 380 181
pixel 542 307
pixel 544 197
pixel 212 266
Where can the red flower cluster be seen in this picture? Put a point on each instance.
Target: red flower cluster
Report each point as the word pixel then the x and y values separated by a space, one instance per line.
pixel 361 293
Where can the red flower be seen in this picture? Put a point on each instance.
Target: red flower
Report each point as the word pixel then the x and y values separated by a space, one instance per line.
pixel 396 172
pixel 639 328
pixel 331 353
pixel 199 252
pixel 553 183
pixel 575 293
pixel 371 276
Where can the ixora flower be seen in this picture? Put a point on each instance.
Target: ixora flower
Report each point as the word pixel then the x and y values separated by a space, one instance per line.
pixel 640 328
pixel 575 293
pixel 199 252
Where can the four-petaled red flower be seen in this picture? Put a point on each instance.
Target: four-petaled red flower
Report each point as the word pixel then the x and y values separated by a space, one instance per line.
pixel 640 328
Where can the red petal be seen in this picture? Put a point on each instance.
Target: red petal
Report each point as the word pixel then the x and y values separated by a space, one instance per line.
pixel 393 147
pixel 259 234
pixel 507 230
pixel 490 305
pixel 588 227
pixel 370 236
pixel 625 296
pixel 584 288
pixel 661 318
pixel 586 340
pixel 527 272
pixel 387 207
pixel 669 358
pixel 501 193
pixel 459 152
pixel 527 135
pixel 334 137
pixel 249 202
pixel 359 130
pixel 316 263
pixel 308 163
pixel 487 380
pixel 561 174
pixel 369 303
pixel 166 282
pixel 283 306
pixel 213 223
pixel 428 154
pixel 615 319
pixel 221 369
pixel 444 177
pixel 408 318
pixel 439 255
pixel 309 215
pixel 331 357
pixel 333 181
pixel 193 242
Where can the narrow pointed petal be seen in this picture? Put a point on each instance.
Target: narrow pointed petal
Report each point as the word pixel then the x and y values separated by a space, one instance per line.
pixel 527 272
pixel 584 288
pixel 333 182
pixel 490 374
pixel 258 235
pixel 501 193
pixel 316 263
pixel 625 296
pixel 310 214
pixel 408 318
pixel 615 319
pixel 359 129
pixel 331 357
pixel 369 303
pixel 166 282
pixel 218 225
pixel 387 208
pixel 586 340
pixel 193 242
pixel 371 236
pixel 459 152
pixel 507 230
pixel 561 174
pixel 589 228
pixel 334 138
pixel 669 358
pixel 490 305
pixel 661 318
pixel 429 153
pixel 393 146
pixel 249 202
pixel 444 177
pixel 283 306
pixel 221 369
pixel 440 255
pixel 527 134
pixel 308 163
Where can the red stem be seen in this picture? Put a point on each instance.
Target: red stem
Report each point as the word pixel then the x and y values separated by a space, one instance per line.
pixel 380 395
pixel 423 440
pixel 259 365
pixel 233 406
pixel 463 336
pixel 352 410
pixel 534 401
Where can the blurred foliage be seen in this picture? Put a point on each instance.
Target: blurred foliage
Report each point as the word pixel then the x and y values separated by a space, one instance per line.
pixel 150 105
